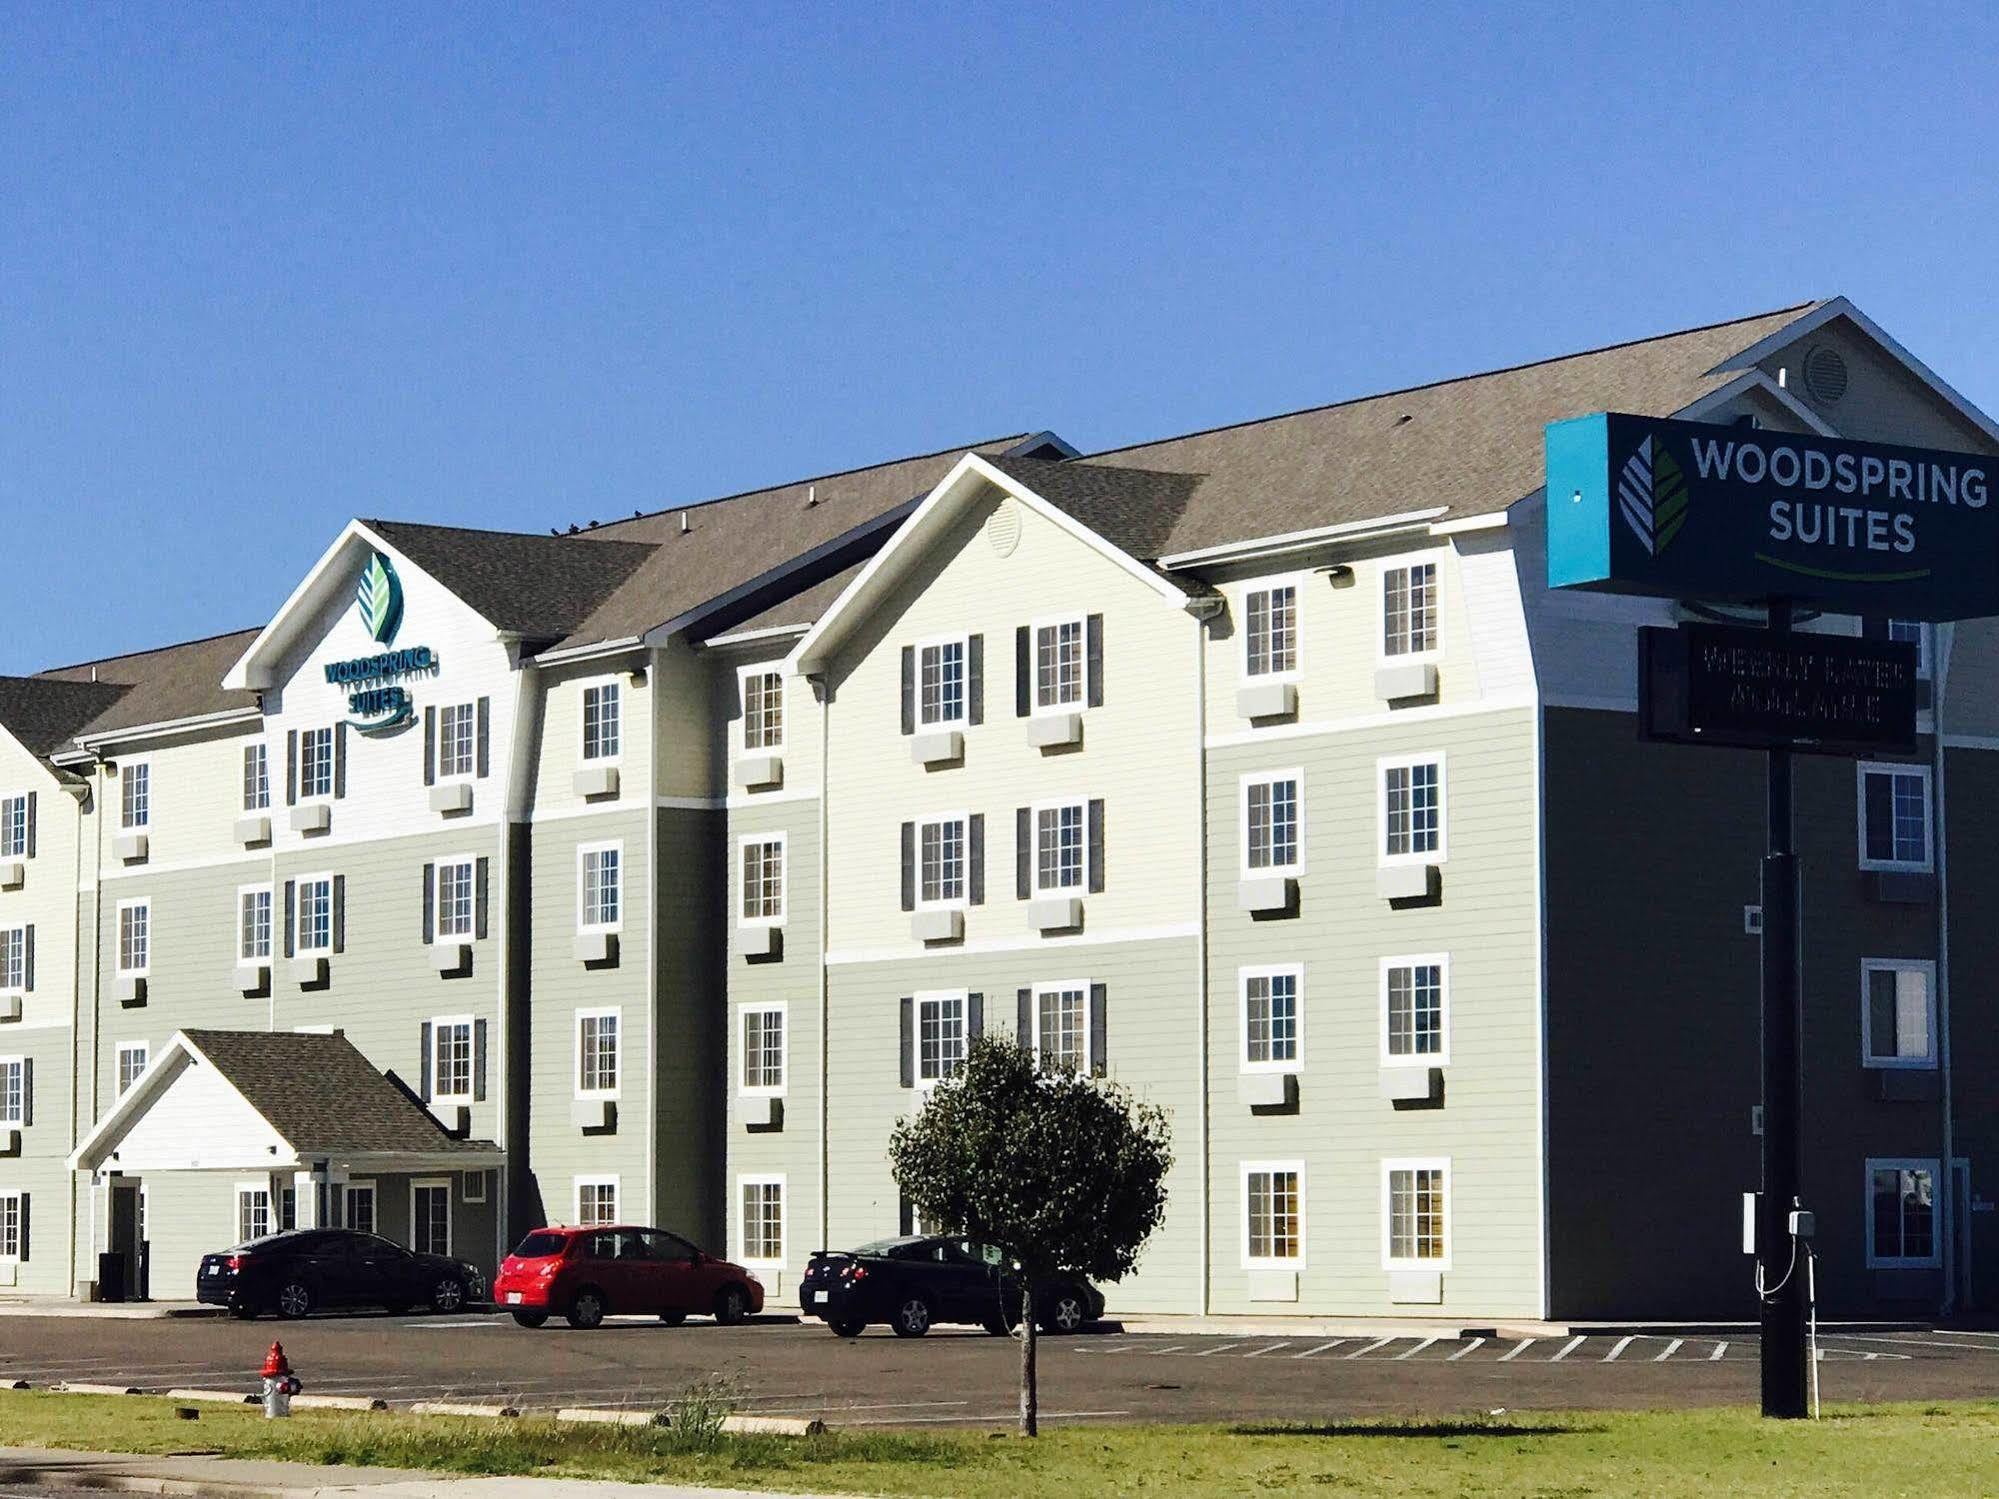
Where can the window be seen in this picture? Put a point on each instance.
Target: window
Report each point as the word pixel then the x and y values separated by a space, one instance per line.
pixel 763 710
pixel 430 1217
pixel 940 862
pixel 1273 1226
pixel 474 1189
pixel 360 1214
pixel 1895 817
pixel 1916 633
pixel 14 1100
pixel 136 799
pixel 1901 1215
pixel 1270 812
pixel 315 763
pixel 763 1219
pixel 253 924
pixel 940 697
pixel 451 1059
pixel 13 1227
pixel 14 960
pixel 596 1200
pixel 1062 1026
pixel 1058 665
pixel 1899 1013
pixel 135 922
pixel 1270 635
pixel 596 1053
pixel 600 721
pixel 315 914
pixel 256 777
pixel 763 880
pixel 763 1049
pixel 599 885
pixel 1059 833
pixel 287 1209
pixel 457 740
pixel 1413 994
pixel 253 1212
pixel 1409 609
pixel 1412 809
pixel 1270 1019
pixel 14 828
pixel 454 900
pixel 1415 1195
pixel 940 1037
pixel 131 1063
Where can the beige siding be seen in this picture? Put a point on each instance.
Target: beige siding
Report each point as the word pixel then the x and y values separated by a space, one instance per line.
pixel 559 754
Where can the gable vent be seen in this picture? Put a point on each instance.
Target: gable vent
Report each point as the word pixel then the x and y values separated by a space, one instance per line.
pixel 1825 374
pixel 1003 528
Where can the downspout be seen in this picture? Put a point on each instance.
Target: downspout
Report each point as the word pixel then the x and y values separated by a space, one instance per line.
pixel 1204 1051
pixel 1947 1188
pixel 825 687
pixel 76 1018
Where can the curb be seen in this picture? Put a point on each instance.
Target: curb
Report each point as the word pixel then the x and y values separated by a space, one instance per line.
pixel 220 1397
pixel 596 1416
pixel 67 1388
pixel 459 1408
pixel 333 1402
pixel 773 1426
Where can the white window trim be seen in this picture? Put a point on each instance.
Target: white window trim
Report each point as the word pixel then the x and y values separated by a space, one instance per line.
pixel 963 641
pixel 118 938
pixel 617 844
pixel 471 866
pixel 936 996
pixel 598 1012
pixel 763 1090
pixel 1061 986
pixel 1034 629
pixel 1259 778
pixel 332 774
pixel 583 687
pixel 962 900
pixel 1906 1163
pixel 20 928
pixel 1295 582
pixel 437 769
pixel 1924 643
pixel 125 1049
pixel 1382 657
pixel 743 675
pixel 1293 971
pixel 450 1228
pixel 242 767
pixel 465 1181
pixel 1891 767
pixel 272 1206
pixel 14 1195
pixel 1389 1167
pixel 21 797
pixel 437 1024
pixel 1034 811
pixel 783 842
pixel 299 947
pixel 1408 762
pixel 366 1184
pixel 1868 968
pixel 17 1121
pixel 1442 962
pixel 277 920
pixel 576 1186
pixel 763 1179
pixel 1250 1261
pixel 128 770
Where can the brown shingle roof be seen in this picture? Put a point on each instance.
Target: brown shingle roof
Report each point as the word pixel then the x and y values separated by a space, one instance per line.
pixel 541 586
pixel 172 682
pixel 46 714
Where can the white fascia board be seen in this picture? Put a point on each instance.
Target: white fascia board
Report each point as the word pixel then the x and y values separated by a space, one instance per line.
pixel 591 652
pixel 1257 547
pixel 89 744
pixel 1761 383
pixel 1494 520
pixel 756 637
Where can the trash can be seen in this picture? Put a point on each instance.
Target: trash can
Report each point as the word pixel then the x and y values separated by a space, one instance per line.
pixel 111 1277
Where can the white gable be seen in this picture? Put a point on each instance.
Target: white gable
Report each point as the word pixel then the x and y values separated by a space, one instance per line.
pixel 195 1122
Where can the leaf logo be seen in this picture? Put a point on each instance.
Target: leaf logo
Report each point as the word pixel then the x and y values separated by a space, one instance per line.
pixel 379 596
pixel 1652 495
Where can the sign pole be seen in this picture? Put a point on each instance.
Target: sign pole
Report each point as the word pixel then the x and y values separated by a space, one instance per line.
pixel 1780 1271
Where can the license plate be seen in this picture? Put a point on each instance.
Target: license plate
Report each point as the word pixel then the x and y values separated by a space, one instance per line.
pixel 513 1298
pixel 817 1297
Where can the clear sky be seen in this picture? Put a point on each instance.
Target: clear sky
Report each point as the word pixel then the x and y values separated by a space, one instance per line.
pixel 266 268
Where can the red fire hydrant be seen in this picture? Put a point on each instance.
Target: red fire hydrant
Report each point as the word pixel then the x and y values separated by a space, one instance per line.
pixel 280 1384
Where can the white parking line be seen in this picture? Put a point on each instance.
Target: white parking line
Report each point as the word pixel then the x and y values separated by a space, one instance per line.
pixel 1271 1349
pixel 1622 1344
pixel 1169 1348
pixel 1377 1343
pixel 1319 1348
pixel 1211 1352
pixel 1902 1342
pixel 1719 1350
pixel 1417 1349
pixel 1474 1343
pixel 1671 1349
pixel 1569 1347
pixel 1520 1348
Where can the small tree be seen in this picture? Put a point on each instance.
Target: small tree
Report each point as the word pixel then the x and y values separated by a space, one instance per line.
pixel 1065 1172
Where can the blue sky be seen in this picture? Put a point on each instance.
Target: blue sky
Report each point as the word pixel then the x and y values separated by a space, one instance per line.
pixel 266 268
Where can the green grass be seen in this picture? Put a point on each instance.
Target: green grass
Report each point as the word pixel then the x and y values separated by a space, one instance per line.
pixel 1877 1451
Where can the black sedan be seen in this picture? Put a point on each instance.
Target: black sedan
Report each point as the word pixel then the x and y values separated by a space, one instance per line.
pixel 913 1283
pixel 304 1270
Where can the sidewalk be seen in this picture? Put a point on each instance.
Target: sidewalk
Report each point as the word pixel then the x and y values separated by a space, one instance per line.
pixel 241 1478
pixel 105 1311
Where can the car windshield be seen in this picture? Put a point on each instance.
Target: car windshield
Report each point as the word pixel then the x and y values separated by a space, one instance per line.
pixel 286 1240
pixel 882 1247
pixel 539 1246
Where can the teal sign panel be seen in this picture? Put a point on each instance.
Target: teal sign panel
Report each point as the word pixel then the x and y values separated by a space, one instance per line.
pixel 1689 510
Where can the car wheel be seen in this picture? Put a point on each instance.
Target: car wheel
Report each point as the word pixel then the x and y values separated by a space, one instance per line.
pixel 732 1304
pixel 244 1311
pixel 847 1328
pixel 448 1295
pixel 1064 1313
pixel 587 1310
pixel 673 1319
pixel 531 1319
pixel 912 1317
pixel 294 1300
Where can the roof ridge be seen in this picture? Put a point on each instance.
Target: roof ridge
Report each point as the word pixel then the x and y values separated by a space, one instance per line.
pixel 1505 369
pixel 151 650
pixel 425 525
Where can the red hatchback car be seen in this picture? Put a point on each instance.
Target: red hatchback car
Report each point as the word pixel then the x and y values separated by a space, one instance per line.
pixel 587 1273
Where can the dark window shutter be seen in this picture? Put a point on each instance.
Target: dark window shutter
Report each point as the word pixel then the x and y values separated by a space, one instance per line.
pixel 1874 627
pixel 909 866
pixel 340 760
pixel 423 1066
pixel 1023 853
pixel 975 680
pixel 1023 1025
pixel 430 746
pixel 1023 671
pixel 1093 660
pixel 291 915
pixel 291 767
pixel 478 1061
pixel 1880 817
pixel 908 1003
pixel 31 824
pixel 975 858
pixel 909 689
pixel 24 1227
pixel 905 1218
pixel 975 1017
pixel 28 958
pixel 485 726
pixel 340 913
pixel 429 903
pixel 480 869
pixel 1096 845
pixel 1099 1028
pixel 27 1091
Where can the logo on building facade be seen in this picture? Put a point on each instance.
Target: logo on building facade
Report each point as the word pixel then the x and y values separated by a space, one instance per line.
pixel 1652 496
pixel 379 597
pixel 377 699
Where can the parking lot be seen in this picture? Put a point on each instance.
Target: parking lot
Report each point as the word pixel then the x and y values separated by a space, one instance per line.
pixel 955 1377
